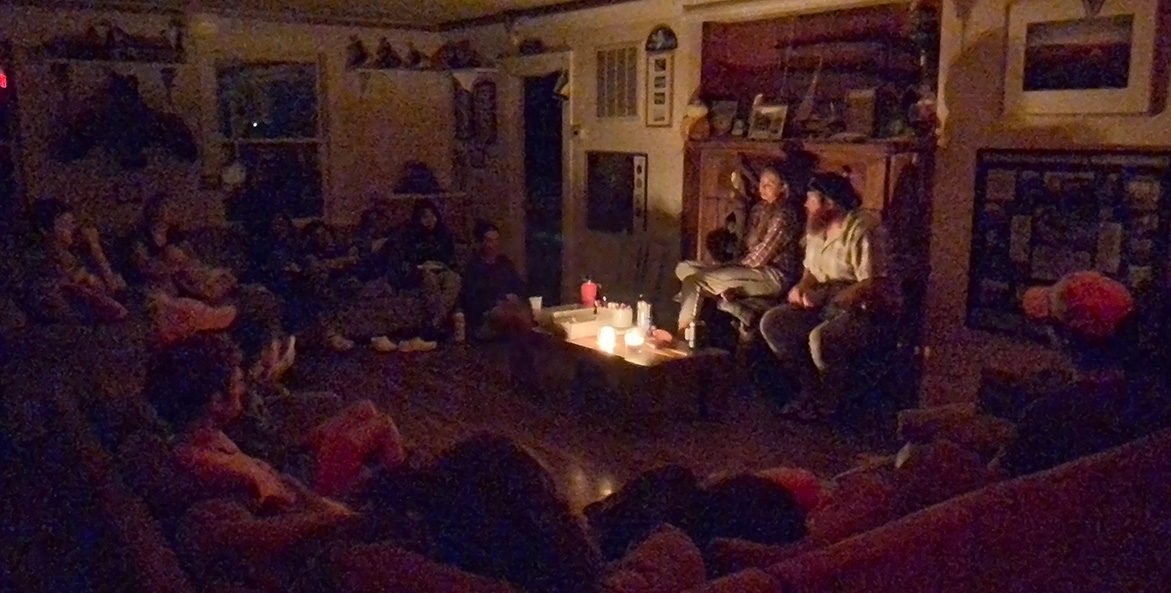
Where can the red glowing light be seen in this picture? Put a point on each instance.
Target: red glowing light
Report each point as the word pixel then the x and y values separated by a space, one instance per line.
pixel 3 80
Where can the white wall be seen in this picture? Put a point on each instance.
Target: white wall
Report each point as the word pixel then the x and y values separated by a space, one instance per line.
pixel 369 133
pixel 581 33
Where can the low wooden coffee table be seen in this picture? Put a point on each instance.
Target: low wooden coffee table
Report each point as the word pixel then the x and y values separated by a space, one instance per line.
pixel 639 383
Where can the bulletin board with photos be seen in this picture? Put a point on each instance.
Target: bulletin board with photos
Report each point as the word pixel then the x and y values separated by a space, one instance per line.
pixel 1040 214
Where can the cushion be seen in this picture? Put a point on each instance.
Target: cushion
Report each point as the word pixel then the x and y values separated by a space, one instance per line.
pixel 958 423
pixel 859 501
pixel 728 555
pixel 747 581
pixel 377 568
pixel 930 474
pixel 667 562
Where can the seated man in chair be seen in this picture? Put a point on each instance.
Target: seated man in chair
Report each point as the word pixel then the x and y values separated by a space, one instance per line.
pixel 837 310
pixel 767 269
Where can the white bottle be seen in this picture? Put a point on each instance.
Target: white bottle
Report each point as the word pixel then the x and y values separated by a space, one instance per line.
pixel 689 335
pixel 643 316
pixel 459 327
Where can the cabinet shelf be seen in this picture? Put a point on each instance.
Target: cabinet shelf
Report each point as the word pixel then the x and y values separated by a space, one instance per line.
pixel 406 69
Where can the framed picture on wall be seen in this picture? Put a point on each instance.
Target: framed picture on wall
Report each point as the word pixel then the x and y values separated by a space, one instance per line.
pixel 1081 57
pixel 1039 215
pixel 660 68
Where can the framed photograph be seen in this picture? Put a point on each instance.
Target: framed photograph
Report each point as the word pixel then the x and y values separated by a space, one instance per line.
pixel 767 122
pixel 1041 214
pixel 1080 58
pixel 660 72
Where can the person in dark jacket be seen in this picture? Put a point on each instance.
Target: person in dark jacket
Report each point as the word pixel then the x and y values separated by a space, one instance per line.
pixel 492 289
pixel 428 252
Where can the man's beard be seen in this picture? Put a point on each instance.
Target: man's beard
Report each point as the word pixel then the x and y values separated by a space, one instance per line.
pixel 820 220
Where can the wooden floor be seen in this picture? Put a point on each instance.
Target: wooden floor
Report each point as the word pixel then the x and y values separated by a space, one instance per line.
pixel 440 397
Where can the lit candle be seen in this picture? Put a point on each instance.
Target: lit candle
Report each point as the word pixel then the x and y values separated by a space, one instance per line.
pixel 633 339
pixel 606 338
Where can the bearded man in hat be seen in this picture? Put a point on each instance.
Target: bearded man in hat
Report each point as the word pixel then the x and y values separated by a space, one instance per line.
pixel 838 307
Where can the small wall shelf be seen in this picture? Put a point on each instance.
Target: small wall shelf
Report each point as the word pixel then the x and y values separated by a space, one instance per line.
pixel 75 61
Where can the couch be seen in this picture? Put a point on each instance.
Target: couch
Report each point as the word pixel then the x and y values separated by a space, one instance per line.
pixel 1099 523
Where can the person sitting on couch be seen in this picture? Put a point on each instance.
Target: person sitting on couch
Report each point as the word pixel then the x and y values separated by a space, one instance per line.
pixel 68 283
pixel 491 290
pixel 428 252
pixel 1104 401
pixel 769 266
pixel 836 310
pixel 489 506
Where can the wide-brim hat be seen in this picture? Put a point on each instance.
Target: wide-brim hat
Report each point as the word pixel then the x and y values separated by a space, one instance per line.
pixel 838 188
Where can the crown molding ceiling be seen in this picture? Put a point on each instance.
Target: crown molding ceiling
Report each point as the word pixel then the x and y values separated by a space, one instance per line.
pixel 427 15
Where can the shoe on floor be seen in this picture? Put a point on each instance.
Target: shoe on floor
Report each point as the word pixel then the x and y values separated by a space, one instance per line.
pixel 417 345
pixel 339 343
pixel 382 344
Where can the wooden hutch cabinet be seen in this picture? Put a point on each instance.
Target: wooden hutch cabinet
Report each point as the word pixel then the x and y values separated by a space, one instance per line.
pixel 854 85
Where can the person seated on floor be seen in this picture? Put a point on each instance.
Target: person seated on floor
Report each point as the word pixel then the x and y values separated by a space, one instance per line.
pixel 492 287
pixel 173 277
pixel 69 276
pixel 428 261
pixel 488 505
pixel 768 268
pixel 371 241
pixel 1106 399
pixel 163 261
pixel 841 304
pixel 327 281
pixel 276 261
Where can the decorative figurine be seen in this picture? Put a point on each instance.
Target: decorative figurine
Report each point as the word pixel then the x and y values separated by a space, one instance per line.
pixel 386 57
pixel 356 54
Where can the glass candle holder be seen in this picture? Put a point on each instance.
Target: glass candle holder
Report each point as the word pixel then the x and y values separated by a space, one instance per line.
pixel 607 338
pixel 633 339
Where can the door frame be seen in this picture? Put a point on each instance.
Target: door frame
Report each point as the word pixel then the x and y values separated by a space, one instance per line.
pixel 518 68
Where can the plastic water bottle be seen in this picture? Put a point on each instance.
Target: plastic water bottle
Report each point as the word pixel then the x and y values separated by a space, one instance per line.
pixel 459 327
pixel 643 316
